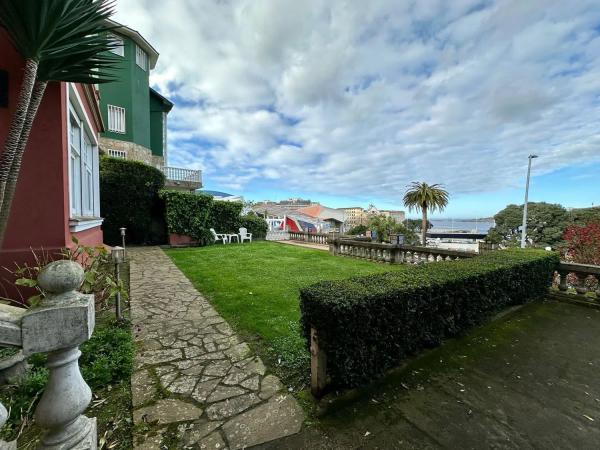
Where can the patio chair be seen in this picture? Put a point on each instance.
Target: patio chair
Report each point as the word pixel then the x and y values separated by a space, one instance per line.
pixel 244 235
pixel 220 236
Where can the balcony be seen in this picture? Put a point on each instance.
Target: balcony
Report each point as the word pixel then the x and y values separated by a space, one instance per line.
pixel 182 179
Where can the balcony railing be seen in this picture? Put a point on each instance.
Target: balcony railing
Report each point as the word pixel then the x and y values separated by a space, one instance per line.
pixel 179 174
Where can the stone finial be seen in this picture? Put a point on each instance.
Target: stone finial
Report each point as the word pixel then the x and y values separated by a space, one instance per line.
pixel 60 277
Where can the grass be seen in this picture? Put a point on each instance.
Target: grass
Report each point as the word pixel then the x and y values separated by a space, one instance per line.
pixel 255 288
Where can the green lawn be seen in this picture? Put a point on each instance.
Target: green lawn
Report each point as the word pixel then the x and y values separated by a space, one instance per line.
pixel 255 288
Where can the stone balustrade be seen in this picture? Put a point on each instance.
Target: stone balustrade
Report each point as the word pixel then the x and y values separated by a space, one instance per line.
pixel 313 238
pixel 583 279
pixel 63 321
pixel 393 254
pixel 277 235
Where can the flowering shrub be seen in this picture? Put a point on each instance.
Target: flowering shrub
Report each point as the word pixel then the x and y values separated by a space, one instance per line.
pixel 583 243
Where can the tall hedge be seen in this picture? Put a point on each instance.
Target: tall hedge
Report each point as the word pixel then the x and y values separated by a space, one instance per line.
pixel 194 215
pixel 129 198
pixel 369 324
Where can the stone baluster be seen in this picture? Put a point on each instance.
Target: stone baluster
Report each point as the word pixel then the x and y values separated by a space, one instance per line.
pixel 580 287
pixel 562 281
pixel 64 320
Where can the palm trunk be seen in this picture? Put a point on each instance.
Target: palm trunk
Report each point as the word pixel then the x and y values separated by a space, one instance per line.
pixel 424 227
pixel 10 162
pixel 16 126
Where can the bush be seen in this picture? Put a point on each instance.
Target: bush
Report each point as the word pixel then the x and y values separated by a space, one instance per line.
pixel 225 216
pixel 194 215
pixel 255 225
pixel 129 198
pixel 188 214
pixel 358 229
pixel 582 243
pixel 367 325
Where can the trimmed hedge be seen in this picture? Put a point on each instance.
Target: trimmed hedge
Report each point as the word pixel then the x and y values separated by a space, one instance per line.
pixel 194 215
pixel 367 325
pixel 255 225
pixel 129 198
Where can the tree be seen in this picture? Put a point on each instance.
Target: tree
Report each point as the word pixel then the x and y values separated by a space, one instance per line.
pixel 416 224
pixel 545 224
pixel 424 198
pixel 60 40
pixel 357 230
pixel 384 226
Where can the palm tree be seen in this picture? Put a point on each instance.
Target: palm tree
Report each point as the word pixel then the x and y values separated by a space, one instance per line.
pixel 425 197
pixel 60 40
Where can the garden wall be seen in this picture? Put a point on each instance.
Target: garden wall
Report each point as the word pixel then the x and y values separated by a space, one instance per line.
pixel 368 325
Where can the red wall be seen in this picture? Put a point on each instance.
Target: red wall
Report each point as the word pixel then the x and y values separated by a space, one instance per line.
pixel 40 211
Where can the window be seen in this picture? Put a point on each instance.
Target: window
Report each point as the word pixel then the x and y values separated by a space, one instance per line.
pixel 83 169
pixel 118 48
pixel 116 119
pixel 141 57
pixel 117 153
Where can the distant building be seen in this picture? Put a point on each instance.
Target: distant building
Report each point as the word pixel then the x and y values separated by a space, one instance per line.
pixel 333 218
pixel 354 215
pixel 398 216
pixel 222 196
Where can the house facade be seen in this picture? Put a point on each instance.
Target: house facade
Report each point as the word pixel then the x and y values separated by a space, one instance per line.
pixel 135 115
pixel 57 196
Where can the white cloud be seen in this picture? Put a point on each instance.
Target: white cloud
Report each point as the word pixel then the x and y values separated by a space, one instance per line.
pixel 361 98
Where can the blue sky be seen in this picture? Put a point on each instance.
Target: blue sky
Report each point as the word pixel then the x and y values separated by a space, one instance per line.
pixel 347 102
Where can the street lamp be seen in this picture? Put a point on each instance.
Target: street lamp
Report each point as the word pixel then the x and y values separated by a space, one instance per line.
pixel 524 226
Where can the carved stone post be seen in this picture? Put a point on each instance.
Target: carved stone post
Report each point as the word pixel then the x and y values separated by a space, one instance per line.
pixel 580 287
pixel 63 322
pixel 562 281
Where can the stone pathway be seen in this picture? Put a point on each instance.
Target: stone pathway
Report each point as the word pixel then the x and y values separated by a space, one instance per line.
pixel 196 384
pixel 305 245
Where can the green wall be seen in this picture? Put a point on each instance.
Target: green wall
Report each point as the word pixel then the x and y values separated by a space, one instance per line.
pixel 157 109
pixel 132 93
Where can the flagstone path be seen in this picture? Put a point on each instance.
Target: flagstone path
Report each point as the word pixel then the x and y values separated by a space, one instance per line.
pixel 196 384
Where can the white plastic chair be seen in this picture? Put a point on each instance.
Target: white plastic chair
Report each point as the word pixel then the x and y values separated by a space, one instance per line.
pixel 220 236
pixel 244 235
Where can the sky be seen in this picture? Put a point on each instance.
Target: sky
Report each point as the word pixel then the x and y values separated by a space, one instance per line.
pixel 346 102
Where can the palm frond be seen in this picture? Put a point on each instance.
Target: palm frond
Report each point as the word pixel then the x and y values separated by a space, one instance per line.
pixel 420 196
pixel 68 38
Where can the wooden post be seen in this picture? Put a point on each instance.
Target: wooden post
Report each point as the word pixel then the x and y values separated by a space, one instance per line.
pixel 318 365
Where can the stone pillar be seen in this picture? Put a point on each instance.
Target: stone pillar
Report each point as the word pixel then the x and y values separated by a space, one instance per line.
pixel 64 320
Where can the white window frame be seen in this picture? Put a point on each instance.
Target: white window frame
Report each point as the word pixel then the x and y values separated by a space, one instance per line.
pixel 83 166
pixel 116 119
pixel 141 57
pixel 119 49
pixel 117 153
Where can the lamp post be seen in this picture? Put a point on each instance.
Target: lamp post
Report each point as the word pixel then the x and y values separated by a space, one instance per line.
pixel 123 231
pixel 524 226
pixel 118 257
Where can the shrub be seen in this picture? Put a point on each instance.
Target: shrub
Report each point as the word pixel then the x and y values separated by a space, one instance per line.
pixel 369 324
pixel 194 215
pixel 255 225
pixel 225 216
pixel 188 214
pixel 583 243
pixel 129 198
pixel 358 229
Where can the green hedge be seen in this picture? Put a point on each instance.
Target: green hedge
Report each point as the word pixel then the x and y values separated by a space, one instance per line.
pixel 194 215
pixel 367 325
pixel 129 198
pixel 255 225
